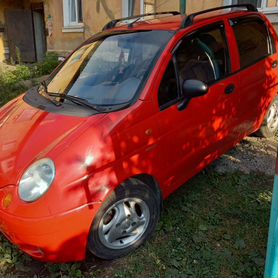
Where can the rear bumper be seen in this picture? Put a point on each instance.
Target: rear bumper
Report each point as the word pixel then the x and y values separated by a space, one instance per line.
pixel 59 238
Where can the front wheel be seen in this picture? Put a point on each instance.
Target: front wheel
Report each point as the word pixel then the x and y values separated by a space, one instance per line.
pixel 270 124
pixel 125 221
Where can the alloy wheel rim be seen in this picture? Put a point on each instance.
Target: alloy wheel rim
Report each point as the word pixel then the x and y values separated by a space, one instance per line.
pixel 124 223
pixel 272 117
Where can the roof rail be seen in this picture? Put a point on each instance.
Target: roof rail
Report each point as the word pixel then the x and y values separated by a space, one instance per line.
pixel 188 21
pixel 114 22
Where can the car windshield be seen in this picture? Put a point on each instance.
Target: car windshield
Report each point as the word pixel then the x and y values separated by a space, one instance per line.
pixel 110 71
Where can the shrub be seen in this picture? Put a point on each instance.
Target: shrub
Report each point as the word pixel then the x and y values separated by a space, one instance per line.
pixel 22 73
pixel 47 66
pixel 11 80
pixel 10 86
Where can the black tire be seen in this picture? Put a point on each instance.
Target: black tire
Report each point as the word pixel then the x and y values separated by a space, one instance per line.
pixel 131 189
pixel 267 130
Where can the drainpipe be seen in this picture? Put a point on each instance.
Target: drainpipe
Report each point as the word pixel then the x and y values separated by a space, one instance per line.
pixel 271 265
pixel 183 6
pixel 131 6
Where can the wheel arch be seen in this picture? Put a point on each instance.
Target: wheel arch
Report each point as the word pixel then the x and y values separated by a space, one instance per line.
pixel 146 181
pixel 152 182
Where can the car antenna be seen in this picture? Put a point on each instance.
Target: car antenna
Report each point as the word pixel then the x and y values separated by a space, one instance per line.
pixel 130 25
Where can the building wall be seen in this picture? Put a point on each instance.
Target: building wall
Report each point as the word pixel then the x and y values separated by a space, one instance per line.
pixel 191 5
pixel 96 13
pixel 195 6
pixel 164 5
pixel 2 47
pixel 56 39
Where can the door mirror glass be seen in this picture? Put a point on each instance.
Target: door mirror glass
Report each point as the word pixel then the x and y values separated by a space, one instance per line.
pixel 194 88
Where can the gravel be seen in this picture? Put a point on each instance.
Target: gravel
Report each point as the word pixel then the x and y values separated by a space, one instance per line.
pixel 251 155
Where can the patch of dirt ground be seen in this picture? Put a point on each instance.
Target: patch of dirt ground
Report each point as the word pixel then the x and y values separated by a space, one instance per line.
pixel 253 154
pixel 5 67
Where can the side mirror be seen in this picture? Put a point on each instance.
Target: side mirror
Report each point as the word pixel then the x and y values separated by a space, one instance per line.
pixel 194 88
pixel 190 89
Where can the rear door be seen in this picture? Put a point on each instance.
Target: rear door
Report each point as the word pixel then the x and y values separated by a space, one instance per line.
pixel 193 137
pixel 257 72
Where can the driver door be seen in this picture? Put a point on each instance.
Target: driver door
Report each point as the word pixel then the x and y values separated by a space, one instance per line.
pixel 193 137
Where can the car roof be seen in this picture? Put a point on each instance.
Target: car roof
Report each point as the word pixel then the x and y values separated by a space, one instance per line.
pixel 175 22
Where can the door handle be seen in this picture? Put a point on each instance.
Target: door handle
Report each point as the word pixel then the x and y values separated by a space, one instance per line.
pixel 274 64
pixel 230 89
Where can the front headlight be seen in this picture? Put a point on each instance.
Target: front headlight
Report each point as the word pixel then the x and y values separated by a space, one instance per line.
pixel 36 181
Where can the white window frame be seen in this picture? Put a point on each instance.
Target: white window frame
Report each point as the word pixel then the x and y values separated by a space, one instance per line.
pixel 263 8
pixel 125 7
pixel 70 26
pixel 266 9
pixel 142 6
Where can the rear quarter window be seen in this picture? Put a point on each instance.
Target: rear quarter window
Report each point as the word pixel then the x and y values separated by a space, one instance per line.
pixel 253 39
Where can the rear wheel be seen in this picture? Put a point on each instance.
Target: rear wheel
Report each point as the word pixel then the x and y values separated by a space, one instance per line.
pixel 125 221
pixel 270 124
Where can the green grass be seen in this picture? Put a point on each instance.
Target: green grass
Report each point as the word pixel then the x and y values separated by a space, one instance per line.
pixel 214 226
pixel 11 80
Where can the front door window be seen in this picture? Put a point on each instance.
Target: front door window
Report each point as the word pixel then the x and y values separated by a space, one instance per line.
pixel 203 56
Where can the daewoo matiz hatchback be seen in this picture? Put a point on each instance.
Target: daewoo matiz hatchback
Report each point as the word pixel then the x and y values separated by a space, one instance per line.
pixel 87 157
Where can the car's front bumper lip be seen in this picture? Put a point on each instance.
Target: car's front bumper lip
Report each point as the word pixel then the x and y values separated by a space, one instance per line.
pixel 57 238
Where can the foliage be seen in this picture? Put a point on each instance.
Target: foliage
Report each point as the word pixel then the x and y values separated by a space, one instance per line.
pixel 214 226
pixel 47 66
pixel 11 84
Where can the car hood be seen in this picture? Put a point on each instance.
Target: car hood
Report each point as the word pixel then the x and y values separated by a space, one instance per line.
pixel 28 134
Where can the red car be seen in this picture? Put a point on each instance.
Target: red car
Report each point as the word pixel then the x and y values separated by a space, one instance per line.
pixel 88 156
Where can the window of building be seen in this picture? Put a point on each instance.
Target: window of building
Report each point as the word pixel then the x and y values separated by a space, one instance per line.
pixel 136 7
pixel 73 14
pixel 267 6
pixel 272 4
pixel 252 39
pixel 129 7
pixel 256 3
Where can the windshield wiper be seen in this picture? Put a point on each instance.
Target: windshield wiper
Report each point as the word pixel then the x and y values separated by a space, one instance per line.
pixel 44 85
pixel 45 93
pixel 77 100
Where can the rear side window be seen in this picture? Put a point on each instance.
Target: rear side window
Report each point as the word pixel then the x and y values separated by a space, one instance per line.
pixel 254 42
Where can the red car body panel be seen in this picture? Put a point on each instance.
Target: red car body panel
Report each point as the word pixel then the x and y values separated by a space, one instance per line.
pixel 95 155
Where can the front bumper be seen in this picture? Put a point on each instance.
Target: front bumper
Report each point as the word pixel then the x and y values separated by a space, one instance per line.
pixel 59 238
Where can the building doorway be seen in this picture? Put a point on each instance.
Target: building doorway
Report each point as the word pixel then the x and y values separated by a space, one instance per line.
pixel 26 34
pixel 39 30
